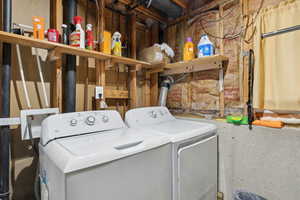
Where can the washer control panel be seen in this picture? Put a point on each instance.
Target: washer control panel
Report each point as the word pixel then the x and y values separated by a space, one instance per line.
pixel 148 116
pixel 72 124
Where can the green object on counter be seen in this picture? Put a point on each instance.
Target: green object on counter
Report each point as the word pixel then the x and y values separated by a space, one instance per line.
pixel 237 120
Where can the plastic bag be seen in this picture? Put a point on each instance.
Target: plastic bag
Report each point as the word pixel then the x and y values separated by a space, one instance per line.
pixel 242 195
pixel 156 54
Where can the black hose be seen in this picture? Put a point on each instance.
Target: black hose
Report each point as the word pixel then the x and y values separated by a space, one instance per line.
pixel 250 90
pixel 5 104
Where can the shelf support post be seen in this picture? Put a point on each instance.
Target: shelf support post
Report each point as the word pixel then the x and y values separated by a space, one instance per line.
pixel 221 87
pixel 133 85
pixel 153 89
pixel 147 89
pixel 56 85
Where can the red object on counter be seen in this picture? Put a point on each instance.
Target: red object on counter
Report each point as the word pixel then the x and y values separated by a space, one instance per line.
pixel 53 35
pixel 89 40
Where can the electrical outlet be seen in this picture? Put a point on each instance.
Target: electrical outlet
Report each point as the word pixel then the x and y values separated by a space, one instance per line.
pixel 99 92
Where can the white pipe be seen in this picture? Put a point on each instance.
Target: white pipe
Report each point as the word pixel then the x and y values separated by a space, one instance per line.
pixel 22 76
pixel 41 77
pixel 23 26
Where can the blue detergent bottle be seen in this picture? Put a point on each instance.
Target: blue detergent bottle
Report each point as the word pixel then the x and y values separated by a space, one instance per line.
pixel 205 47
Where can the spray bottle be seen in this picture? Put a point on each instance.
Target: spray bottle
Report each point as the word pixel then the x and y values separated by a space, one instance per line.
pixel 89 39
pixel 64 34
pixel 117 44
pixel 77 38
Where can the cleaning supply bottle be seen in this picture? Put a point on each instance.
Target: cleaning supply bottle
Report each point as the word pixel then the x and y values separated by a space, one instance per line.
pixel 106 47
pixel 89 39
pixel 188 52
pixel 38 27
pixel 205 47
pixel 77 38
pixel 64 34
pixel 116 44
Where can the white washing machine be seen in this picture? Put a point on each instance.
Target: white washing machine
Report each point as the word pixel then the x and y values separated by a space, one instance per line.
pixel 93 155
pixel 194 149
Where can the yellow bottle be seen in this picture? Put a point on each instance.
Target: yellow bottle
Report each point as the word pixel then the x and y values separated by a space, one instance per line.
pixel 117 50
pixel 188 52
pixel 106 47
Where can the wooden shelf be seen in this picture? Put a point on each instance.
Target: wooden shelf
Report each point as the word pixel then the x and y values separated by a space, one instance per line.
pixel 216 62
pixel 65 49
pixel 200 64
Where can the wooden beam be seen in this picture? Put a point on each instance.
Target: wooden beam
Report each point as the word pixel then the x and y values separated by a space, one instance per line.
pixel 147 89
pixel 221 72
pixel 101 24
pixel 116 94
pixel 180 3
pixel 196 65
pixel 246 47
pixel 83 61
pixel 210 6
pixel 100 73
pixel 56 14
pixel 147 12
pixel 1 15
pixel 133 35
pixel 133 86
pixel 56 82
pixel 153 89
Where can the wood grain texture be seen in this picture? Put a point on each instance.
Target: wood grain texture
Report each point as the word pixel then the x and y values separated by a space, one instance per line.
pixel 196 65
pixel 65 49
pixel 153 89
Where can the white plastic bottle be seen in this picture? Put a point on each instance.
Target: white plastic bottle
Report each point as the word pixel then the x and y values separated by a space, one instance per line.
pixel 77 38
pixel 205 47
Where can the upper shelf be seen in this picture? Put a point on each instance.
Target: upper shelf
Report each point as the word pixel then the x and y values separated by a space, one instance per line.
pixel 200 64
pixel 65 49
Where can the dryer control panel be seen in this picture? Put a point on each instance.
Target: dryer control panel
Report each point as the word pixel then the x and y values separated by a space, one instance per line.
pixel 148 116
pixel 72 124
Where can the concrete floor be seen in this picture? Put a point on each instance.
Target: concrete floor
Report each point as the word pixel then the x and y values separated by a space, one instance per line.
pixel 264 161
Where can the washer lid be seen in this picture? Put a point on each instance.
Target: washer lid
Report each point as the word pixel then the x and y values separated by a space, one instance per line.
pixel 83 151
pixel 175 129
pixel 74 124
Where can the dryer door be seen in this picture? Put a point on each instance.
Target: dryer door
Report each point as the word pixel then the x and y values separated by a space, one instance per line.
pixel 197 170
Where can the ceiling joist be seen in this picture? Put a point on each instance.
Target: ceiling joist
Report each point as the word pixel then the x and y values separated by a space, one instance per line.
pixel 147 12
pixel 180 3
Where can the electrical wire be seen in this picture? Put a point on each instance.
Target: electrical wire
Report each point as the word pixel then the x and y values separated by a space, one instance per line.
pixel 226 37
pixel 253 20
pixel 221 18
pixel 239 33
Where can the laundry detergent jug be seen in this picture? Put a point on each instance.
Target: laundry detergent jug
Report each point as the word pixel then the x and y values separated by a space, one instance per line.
pixel 205 47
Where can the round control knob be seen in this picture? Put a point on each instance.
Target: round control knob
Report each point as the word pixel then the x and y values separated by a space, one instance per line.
pixel 105 119
pixel 161 113
pixel 73 122
pixel 90 120
pixel 153 114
